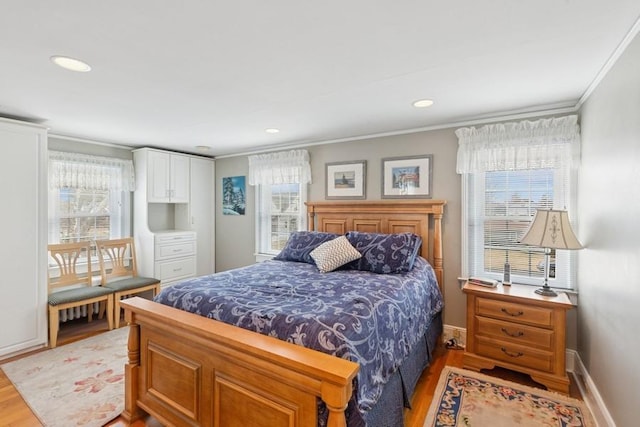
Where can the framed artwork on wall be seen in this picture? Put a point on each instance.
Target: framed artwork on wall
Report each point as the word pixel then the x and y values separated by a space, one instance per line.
pixel 233 195
pixel 407 177
pixel 346 180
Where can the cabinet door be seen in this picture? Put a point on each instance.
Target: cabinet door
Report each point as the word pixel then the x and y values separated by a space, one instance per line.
pixel 158 179
pixel 23 256
pixel 202 208
pixel 179 179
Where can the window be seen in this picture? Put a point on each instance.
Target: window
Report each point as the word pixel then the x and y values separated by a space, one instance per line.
pixel 500 205
pixel 511 170
pixel 281 189
pixel 87 215
pixel 280 212
pixel 89 197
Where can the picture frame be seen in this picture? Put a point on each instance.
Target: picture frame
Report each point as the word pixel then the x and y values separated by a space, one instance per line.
pixel 407 177
pixel 346 180
pixel 233 195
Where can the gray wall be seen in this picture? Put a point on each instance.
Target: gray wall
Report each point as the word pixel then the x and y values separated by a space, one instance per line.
pixel 88 147
pixel 235 241
pixel 608 212
pixel 235 234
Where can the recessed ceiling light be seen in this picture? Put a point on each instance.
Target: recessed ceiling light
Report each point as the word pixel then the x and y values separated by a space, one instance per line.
pixel 272 130
pixel 71 63
pixel 203 148
pixel 423 103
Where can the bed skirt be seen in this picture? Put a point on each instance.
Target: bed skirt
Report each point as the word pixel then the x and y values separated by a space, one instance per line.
pixel 389 411
pixel 397 393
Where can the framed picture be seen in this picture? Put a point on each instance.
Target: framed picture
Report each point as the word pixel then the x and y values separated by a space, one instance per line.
pixel 407 177
pixel 233 195
pixel 346 180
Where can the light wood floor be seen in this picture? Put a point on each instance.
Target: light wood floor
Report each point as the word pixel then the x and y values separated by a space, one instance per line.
pixel 14 412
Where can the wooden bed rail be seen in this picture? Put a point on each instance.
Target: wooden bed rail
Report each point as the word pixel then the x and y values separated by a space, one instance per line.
pixel 186 369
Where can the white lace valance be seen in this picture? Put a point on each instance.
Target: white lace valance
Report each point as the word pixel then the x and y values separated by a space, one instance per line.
pixel 73 170
pixel 545 143
pixel 284 167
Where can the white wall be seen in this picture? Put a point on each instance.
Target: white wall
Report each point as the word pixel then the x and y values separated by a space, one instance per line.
pixel 609 227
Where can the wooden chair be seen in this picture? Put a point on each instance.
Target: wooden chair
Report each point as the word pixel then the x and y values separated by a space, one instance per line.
pixel 120 274
pixel 71 288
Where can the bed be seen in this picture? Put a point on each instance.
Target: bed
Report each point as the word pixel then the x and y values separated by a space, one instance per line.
pixel 187 369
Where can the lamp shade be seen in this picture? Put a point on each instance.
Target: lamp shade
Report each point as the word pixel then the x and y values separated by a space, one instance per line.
pixel 551 229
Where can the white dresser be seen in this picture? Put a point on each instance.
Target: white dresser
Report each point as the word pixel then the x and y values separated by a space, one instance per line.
pixel 175 256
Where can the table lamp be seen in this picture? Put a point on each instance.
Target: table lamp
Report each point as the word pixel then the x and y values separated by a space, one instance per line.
pixel 550 229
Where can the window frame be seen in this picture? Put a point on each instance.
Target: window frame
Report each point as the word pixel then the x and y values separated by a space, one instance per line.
pixel 119 207
pixel 263 227
pixel 565 197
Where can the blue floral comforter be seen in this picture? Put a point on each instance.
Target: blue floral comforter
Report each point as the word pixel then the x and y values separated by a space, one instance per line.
pixel 372 319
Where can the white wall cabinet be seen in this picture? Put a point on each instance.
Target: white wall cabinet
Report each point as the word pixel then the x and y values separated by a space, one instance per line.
pixel 175 235
pixel 167 177
pixel 200 212
pixel 23 256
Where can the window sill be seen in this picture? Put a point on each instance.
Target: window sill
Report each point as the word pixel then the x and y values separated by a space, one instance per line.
pixel 264 257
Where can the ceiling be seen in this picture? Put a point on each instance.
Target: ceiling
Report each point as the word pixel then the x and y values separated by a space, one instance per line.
pixel 210 73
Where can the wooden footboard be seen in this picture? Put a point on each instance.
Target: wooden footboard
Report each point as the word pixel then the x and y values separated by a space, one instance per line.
pixel 188 370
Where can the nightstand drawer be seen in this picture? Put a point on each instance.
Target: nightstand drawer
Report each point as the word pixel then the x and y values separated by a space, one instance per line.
pixel 513 312
pixel 516 354
pixel 515 333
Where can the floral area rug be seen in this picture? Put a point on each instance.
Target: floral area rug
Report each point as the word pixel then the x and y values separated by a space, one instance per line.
pixel 470 399
pixel 77 384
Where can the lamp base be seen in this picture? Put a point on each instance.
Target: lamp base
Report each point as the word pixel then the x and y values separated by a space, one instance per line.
pixel 546 291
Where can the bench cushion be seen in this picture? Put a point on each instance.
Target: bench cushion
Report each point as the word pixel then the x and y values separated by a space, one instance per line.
pixel 130 283
pixel 80 294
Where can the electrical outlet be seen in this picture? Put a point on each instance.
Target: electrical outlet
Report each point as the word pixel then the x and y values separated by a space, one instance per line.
pixel 456 334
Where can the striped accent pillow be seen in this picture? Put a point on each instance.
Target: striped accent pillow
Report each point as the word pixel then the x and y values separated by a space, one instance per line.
pixel 333 254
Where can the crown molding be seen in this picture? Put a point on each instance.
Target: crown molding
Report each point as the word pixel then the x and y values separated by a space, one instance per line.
pixel 617 53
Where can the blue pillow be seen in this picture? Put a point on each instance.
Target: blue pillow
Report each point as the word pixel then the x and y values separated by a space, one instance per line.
pixel 301 243
pixel 384 253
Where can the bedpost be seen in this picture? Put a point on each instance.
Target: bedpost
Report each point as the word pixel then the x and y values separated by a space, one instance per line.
pixel 336 398
pixel 311 222
pixel 131 411
pixel 438 211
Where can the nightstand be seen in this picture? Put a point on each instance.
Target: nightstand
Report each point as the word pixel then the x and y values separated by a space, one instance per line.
pixel 515 328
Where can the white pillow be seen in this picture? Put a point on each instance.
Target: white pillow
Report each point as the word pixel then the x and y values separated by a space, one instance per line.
pixel 333 254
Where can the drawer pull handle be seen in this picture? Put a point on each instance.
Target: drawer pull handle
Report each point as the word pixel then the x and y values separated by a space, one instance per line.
pixel 511 334
pixel 508 353
pixel 177 250
pixel 177 269
pixel 516 314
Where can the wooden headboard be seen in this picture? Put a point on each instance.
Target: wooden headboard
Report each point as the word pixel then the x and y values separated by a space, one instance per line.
pixel 385 216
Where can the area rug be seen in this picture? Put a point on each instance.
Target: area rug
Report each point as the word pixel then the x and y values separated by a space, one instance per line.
pixel 78 384
pixel 470 399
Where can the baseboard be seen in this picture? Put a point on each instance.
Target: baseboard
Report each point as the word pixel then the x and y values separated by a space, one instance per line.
pixel 589 391
pixel 570 360
pixel 459 334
